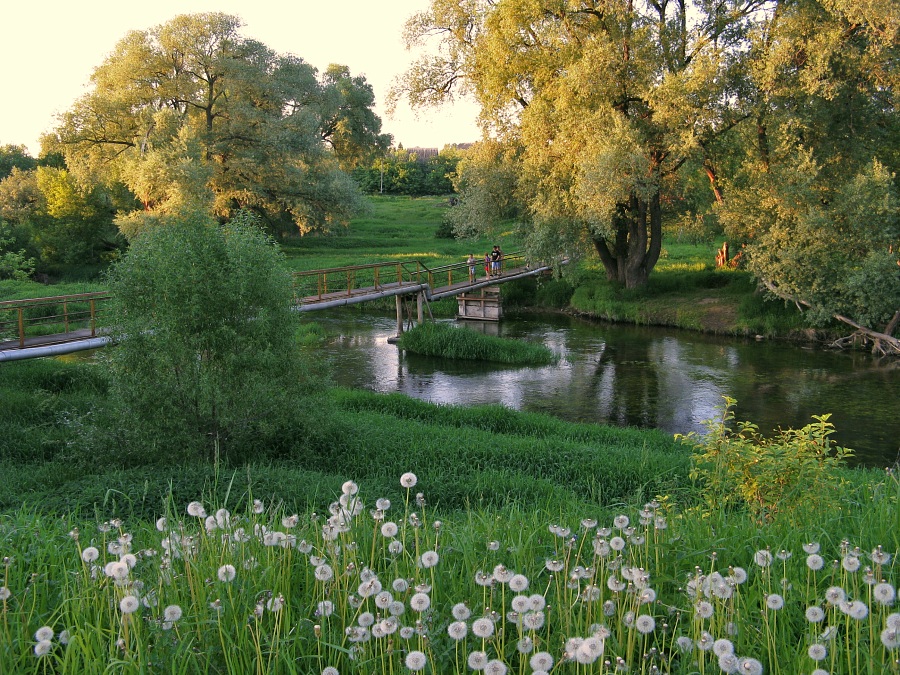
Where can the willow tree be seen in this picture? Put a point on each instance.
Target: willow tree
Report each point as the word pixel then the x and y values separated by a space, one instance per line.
pixel 601 102
pixel 192 116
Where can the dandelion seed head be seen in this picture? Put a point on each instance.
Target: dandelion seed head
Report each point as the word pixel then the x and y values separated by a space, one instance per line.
pixel 416 660
pixel 129 604
pixel 525 645
pixel 541 661
pixel 892 620
pixel 554 565
pixel 617 543
pixel 477 660
pixel 429 559
pixel 365 619
pixel 811 547
pixel 44 633
pixel 749 666
pixel 520 603
pixel 884 593
pixel 684 643
pixel 609 608
pixel 258 506
pixel 815 614
pixel 518 583
pixel 880 556
pixel 763 558
pixel 460 611
pixel 815 562
pixel 323 573
pixel 400 585
pixel 704 609
pixel 196 510
pixel 890 638
pixel 819 671
pixel 834 595
pixel 419 602
pixel 645 624
pixel 43 647
pixel 739 575
pixel 817 652
pixel 721 647
pixel 483 627
pixel 495 667
pixel 172 613
pixel 858 610
pixel 620 522
pixel 706 641
pixel 330 670
pixel 90 554
pixel 408 480
pixel 227 573
pixel 850 563
pixel 483 578
pixel 774 601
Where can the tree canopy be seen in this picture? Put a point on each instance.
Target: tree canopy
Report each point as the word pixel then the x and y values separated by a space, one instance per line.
pixel 596 107
pixel 192 116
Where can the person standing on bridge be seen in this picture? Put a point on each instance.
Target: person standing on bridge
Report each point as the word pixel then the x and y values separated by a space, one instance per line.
pixel 496 260
pixel 471 263
pixel 487 264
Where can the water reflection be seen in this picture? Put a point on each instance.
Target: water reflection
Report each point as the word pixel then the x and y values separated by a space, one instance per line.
pixel 636 376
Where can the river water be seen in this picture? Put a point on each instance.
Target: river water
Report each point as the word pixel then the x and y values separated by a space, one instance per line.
pixel 636 376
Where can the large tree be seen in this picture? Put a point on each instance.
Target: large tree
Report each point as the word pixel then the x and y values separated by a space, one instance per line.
pixel 192 116
pixel 598 101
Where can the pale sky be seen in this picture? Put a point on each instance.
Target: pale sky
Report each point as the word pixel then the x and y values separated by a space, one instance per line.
pixel 50 48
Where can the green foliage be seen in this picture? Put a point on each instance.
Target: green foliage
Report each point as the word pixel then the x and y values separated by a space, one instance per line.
pixel 13 264
pixel 191 116
pixel 15 157
pixel 441 339
pixel 797 470
pixel 404 172
pixel 204 359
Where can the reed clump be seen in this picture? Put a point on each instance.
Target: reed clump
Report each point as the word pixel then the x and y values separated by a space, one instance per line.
pixel 443 339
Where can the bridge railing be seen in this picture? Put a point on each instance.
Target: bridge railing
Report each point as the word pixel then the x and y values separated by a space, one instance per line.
pixel 335 282
pixel 65 316
pixel 456 273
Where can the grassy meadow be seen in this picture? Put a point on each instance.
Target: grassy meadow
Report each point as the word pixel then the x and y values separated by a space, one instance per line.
pixel 401 536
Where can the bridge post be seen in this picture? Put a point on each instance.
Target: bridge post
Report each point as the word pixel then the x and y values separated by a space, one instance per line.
pixel 399 300
pixel 420 312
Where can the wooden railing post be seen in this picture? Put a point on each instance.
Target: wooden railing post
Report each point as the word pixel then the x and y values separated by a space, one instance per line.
pixel 93 319
pixel 21 328
pixel 65 316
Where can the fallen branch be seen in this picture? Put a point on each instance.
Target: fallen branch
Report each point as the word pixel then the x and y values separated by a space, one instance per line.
pixel 883 344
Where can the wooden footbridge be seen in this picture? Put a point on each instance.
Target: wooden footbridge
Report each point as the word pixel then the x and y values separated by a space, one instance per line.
pixel 64 324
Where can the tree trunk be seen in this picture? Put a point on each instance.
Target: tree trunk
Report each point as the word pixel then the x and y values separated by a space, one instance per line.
pixel 630 257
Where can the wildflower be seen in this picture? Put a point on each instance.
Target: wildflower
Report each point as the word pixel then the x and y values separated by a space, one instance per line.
pixel 817 652
pixel 128 604
pixel 227 573
pixel 258 506
pixel 609 608
pixel 457 630
pixel 892 621
pixel 646 596
pixel 774 601
pixel 815 614
pixel 880 557
pixel 748 666
pixel 538 601
pixel 330 670
pixel 858 610
pixel 275 604
pixel 520 604
pixel 890 638
pixel 645 624
pixel 325 608
pixel 728 663
pixel 64 637
pixel 850 563
pixel 620 522
pixel 196 509
pixel 429 559
pixel 600 631
pixel 884 593
pixel 763 558
pixel 721 647
pixel 541 661
pixel 90 554
pixel 518 583
pixel 739 575
pixel 419 602
pixel 815 562
pixel 617 543
pixel 483 578
pixel 784 555
pixel 704 609
pixel 172 613
pixel 324 573
pixel 366 619
pixel 408 480
pixel 705 642
pixel 615 584
pixel 483 627
pixel 289 522
pixel 460 611
pixel 477 660
pixel 684 643
pixel 525 645
pixel 589 523
pixel 43 647
pixel 811 547
pixel 44 633
pixel 502 574
pixel 116 570
pixel 533 620
pixel 129 559
pixel 416 660
pixel 395 547
pixel 835 595
pixel 389 529
pixel 495 667
pixel 829 633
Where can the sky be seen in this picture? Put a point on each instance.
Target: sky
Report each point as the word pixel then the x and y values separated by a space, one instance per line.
pixel 51 47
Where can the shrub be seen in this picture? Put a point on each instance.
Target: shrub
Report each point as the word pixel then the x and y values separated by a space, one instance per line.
pixel 435 339
pixel 794 470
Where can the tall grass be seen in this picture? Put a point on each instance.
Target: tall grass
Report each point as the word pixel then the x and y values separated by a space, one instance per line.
pixel 240 584
pixel 442 339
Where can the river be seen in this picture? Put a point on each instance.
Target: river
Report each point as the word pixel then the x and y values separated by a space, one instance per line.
pixel 637 376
